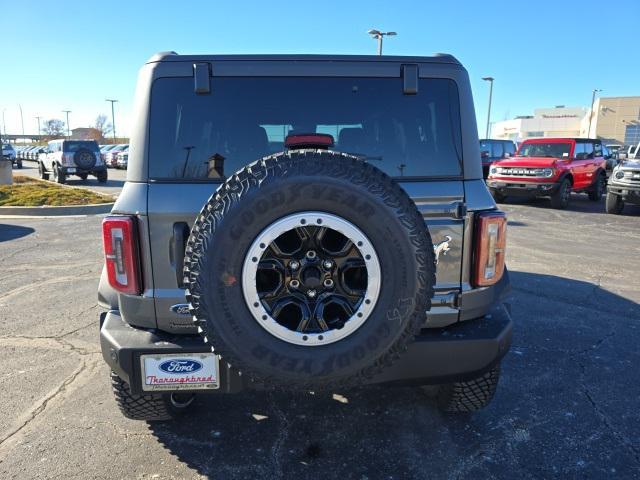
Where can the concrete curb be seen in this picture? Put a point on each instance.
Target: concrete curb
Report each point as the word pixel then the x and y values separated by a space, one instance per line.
pixel 48 211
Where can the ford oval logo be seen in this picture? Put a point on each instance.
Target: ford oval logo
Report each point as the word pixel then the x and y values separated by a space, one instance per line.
pixel 180 365
pixel 181 309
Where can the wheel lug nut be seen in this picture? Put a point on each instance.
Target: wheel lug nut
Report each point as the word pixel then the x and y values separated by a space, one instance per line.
pixel 327 264
pixel 311 293
pixel 311 254
pixel 294 264
pixel 328 283
pixel 294 284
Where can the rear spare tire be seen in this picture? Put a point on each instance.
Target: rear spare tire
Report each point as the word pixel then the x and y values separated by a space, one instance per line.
pixel 85 159
pixel 309 269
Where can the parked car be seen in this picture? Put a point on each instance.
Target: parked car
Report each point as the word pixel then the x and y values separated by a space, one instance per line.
pixel 9 152
pixel 35 152
pixel 623 186
pixel 111 155
pixel 72 157
pixel 21 152
pixel 551 167
pixel 492 150
pixel 313 265
pixel 122 159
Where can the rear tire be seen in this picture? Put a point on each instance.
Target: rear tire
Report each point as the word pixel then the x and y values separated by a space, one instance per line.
pixel 614 204
pixel 58 176
pixel 598 189
pixel 19 164
pixel 560 198
pixel 102 177
pixel 469 396
pixel 151 407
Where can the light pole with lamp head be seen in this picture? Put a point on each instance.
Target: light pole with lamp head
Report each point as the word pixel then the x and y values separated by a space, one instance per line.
pixel 378 35
pixel 68 129
pixel 490 80
pixel 593 99
pixel 113 117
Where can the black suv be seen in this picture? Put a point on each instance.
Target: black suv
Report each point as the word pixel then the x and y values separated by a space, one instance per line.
pixel 303 222
pixel 492 150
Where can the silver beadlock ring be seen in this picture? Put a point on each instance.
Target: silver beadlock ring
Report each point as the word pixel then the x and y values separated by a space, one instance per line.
pixel 290 222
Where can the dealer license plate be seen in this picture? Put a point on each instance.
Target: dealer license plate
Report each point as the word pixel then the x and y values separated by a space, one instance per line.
pixel 196 371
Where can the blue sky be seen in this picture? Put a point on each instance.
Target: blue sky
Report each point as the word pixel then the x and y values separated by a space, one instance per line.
pixel 74 54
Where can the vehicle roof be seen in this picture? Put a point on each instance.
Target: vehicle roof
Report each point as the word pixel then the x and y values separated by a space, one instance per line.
pixel 71 140
pixel 175 57
pixel 560 139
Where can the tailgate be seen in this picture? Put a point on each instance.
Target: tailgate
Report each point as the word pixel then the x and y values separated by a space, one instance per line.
pixel 172 208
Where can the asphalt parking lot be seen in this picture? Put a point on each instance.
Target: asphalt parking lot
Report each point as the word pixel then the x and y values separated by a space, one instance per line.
pixel 567 405
pixel 112 187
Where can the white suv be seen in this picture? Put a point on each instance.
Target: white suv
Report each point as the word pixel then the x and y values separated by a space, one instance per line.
pixel 72 157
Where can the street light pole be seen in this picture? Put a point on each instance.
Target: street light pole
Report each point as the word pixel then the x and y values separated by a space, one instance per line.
pixel 4 124
pixel 21 119
pixel 68 129
pixel 38 118
pixel 490 80
pixel 113 118
pixel 378 35
pixel 593 99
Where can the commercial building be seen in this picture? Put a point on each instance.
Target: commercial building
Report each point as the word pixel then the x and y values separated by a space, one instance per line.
pixel 615 120
pixel 559 121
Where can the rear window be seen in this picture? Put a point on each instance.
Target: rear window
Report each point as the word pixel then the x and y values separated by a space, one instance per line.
pixel 243 119
pixel 72 147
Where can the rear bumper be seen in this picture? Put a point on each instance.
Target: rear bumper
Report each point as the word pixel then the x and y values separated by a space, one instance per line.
pixel 523 187
pixel 77 170
pixel 459 352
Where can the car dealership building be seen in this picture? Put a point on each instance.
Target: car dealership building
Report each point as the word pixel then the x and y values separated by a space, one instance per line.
pixel 616 120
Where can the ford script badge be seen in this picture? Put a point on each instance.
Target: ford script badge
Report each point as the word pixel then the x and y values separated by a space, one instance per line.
pixel 180 365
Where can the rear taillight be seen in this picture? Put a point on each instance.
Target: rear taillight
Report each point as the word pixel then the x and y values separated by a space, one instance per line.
pixel 491 243
pixel 121 254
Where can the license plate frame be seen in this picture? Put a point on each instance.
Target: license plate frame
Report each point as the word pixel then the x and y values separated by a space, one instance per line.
pixel 157 379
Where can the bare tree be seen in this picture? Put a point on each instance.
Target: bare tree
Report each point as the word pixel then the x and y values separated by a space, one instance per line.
pixel 102 125
pixel 54 128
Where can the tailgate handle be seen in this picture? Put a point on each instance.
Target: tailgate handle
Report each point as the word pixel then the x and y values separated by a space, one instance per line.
pixel 176 252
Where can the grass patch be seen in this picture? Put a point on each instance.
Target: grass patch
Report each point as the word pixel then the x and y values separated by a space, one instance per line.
pixel 31 192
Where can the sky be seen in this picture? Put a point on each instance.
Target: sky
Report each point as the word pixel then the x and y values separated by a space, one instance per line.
pixel 72 55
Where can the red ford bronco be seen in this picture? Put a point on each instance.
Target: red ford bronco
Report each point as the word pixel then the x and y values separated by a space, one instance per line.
pixel 551 167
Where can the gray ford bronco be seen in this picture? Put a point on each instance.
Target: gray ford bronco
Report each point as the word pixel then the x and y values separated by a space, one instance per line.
pixel 303 222
pixel 623 186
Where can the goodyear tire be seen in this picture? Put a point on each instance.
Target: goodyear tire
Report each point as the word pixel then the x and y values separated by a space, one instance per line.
pixel 299 223
pixel 151 407
pixel 470 395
